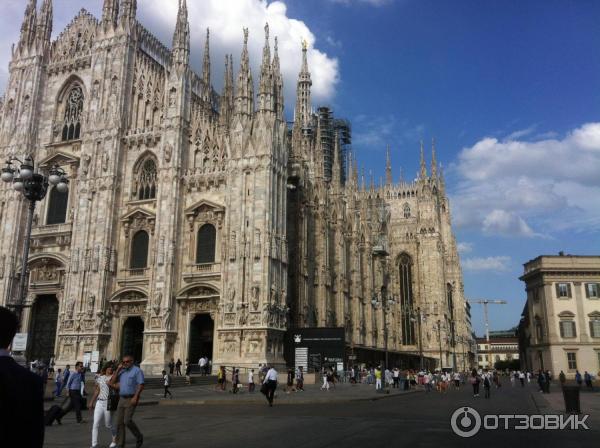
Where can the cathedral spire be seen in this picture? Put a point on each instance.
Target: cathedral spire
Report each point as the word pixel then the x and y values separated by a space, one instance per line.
pixel 226 110
pixel 265 89
pixel 110 13
pixel 206 68
pixel 181 37
pixel 433 160
pixel 388 167
pixel 28 25
pixel 128 11
pixel 302 112
pixel 244 99
pixel 423 174
pixel 277 83
pixel 44 23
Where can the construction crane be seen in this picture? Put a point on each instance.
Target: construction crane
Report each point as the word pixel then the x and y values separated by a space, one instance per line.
pixel 485 303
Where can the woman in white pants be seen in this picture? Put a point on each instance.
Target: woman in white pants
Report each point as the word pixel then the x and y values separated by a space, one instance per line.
pixel 99 404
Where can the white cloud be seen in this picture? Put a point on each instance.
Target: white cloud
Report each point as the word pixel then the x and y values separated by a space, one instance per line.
pixel 499 263
pixel 225 18
pixel 464 248
pixel 520 133
pixel 530 188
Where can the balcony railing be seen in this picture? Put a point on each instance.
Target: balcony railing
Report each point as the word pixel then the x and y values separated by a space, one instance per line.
pixel 200 270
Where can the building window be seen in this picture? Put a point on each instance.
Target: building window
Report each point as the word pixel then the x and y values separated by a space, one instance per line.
pixel 406 299
pixel 205 245
pixel 139 250
pixel 572 360
pixel 57 207
pixel 539 330
pixel 567 329
pixel 598 353
pixel 72 122
pixel 592 290
pixel 595 327
pixel 563 290
pixel 145 180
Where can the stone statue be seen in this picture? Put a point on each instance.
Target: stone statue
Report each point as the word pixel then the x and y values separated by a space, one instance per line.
pixel 168 152
pixel 255 297
pixel 157 302
pixel 70 307
pixel 91 299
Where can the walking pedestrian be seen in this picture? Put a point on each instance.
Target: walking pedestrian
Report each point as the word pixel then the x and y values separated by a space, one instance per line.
pixel 578 378
pixel 172 366
pixel 427 379
pixel 21 393
pixel 167 384
pixel 541 380
pixel 201 365
pixel 290 381
pixel 66 375
pixel 235 380
pixel 270 385
pixel 188 371
pixel 99 404
pixel 325 380
pixel 178 367
pixel 547 379
pixel 251 384
pixel 487 384
pixel 513 376
pixel 378 378
pixel 58 382
pixel 221 380
pixel 300 379
pixel 475 380
pixel 74 390
pixel 522 378
pixel 588 380
pixel 456 380
pixel 528 377
pixel 130 379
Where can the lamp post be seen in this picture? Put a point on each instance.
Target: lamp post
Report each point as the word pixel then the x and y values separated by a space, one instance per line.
pixel 439 327
pixel 386 304
pixel 33 185
pixel 417 315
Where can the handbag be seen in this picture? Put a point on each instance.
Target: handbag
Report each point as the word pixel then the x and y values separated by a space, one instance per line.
pixel 264 389
pixel 112 401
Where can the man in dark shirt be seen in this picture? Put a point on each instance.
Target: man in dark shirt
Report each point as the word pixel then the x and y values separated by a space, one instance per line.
pixel 21 393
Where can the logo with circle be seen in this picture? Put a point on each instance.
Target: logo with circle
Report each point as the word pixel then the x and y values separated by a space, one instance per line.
pixel 465 422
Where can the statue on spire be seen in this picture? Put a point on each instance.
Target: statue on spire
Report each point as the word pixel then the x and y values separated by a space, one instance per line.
pixel 433 160
pixel 423 173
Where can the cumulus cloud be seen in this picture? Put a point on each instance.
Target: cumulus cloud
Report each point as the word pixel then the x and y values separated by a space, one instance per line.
pixel 225 18
pixel 464 248
pixel 499 264
pixel 530 188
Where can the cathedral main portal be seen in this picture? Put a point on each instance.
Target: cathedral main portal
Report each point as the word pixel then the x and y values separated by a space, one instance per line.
pixel 201 337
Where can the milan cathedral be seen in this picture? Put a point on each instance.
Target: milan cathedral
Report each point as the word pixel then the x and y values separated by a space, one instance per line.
pixel 203 224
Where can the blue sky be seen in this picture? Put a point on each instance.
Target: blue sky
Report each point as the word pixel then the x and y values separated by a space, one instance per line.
pixel 509 89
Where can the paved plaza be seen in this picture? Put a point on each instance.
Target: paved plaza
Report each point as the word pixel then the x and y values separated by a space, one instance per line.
pixel 349 416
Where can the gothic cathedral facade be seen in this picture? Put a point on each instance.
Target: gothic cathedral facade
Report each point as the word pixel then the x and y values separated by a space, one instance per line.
pixel 199 223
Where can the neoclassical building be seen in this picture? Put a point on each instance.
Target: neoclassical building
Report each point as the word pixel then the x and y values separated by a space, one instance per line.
pixel 199 223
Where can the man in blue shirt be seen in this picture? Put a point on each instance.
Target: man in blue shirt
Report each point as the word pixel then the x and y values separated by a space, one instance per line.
pixel 130 380
pixel 74 388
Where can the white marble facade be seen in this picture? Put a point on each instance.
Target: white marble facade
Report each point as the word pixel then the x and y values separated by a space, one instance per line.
pixel 257 225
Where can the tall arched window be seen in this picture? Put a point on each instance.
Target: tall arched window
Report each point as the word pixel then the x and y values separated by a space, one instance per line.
pixel 139 250
pixel 72 120
pixel 57 206
pixel 145 180
pixel 205 244
pixel 406 299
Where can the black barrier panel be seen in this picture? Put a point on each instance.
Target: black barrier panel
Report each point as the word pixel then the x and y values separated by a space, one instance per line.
pixel 314 348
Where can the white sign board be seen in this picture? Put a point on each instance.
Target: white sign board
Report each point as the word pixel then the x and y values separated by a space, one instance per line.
pixel 95 356
pixel 86 359
pixel 94 367
pixel 19 343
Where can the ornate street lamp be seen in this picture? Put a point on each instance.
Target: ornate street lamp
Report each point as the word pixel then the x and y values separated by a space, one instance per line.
pixel 385 303
pixel 34 186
